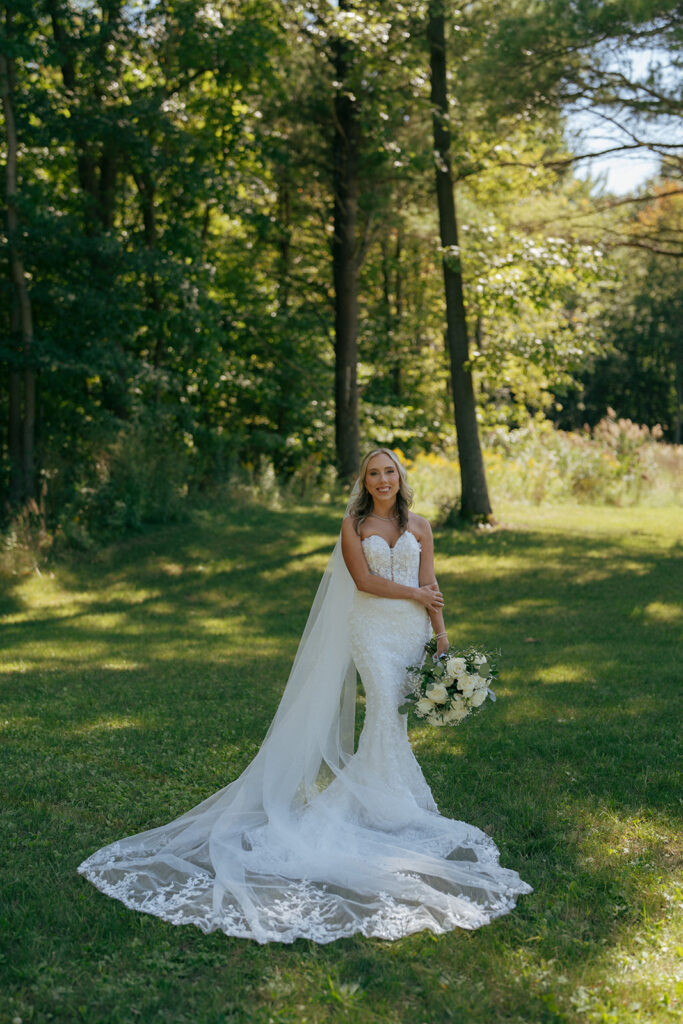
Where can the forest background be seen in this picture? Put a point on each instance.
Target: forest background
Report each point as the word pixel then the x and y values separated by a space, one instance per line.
pixel 226 261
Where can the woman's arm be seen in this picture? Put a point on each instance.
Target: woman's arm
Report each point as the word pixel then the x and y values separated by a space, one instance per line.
pixel 427 578
pixel 427 595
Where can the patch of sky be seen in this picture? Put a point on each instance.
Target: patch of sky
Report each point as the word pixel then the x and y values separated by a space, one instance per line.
pixel 613 131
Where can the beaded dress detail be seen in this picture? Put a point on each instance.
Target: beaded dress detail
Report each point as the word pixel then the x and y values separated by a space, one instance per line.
pixel 362 850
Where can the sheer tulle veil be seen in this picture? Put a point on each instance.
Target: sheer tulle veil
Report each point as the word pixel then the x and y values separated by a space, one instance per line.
pixel 309 741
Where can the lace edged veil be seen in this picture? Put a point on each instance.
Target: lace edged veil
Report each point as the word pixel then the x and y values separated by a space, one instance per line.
pixel 309 741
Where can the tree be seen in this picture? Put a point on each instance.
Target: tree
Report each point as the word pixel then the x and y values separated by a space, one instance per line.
pixel 344 259
pixel 22 401
pixel 638 371
pixel 474 503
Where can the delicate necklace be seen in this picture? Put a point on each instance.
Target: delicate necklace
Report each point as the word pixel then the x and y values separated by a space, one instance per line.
pixel 387 519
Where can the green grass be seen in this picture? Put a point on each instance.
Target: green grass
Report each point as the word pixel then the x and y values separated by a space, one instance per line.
pixel 139 680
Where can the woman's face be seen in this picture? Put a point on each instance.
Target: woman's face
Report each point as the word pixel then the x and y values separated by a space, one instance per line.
pixel 382 478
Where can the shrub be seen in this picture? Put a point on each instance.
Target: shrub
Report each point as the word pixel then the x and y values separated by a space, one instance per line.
pixel 140 478
pixel 618 463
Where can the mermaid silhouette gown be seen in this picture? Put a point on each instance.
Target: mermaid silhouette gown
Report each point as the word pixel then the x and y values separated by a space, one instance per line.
pixel 364 850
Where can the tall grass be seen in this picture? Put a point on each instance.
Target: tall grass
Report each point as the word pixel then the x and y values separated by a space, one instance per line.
pixel 140 678
pixel 617 463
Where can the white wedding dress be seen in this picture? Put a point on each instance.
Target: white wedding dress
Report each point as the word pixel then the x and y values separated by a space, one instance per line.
pixel 315 840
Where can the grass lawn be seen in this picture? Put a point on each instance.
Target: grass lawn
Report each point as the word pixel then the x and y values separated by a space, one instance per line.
pixel 138 680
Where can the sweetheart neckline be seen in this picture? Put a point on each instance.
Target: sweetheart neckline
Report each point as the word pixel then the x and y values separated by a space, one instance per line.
pixel 390 546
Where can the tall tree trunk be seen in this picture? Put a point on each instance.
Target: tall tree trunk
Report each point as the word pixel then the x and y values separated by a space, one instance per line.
pixel 85 161
pixel 284 244
pixel 392 290
pixel 397 354
pixel 97 160
pixel 475 502
pixel 386 291
pixel 678 382
pixel 283 369
pixel 15 431
pixel 29 433
pixel 146 191
pixel 345 270
pixel 21 446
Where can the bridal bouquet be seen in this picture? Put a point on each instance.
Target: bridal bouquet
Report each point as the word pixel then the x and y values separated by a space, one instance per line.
pixel 445 691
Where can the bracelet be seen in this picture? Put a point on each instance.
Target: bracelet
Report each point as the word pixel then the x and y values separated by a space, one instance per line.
pixel 437 636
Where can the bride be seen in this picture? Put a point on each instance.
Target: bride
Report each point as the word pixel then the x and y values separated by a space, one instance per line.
pixel 315 840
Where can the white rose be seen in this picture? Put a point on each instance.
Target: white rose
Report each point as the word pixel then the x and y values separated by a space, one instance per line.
pixel 479 683
pixel 477 698
pixel 424 706
pixel 458 704
pixel 455 667
pixel 466 686
pixel 455 715
pixel 437 693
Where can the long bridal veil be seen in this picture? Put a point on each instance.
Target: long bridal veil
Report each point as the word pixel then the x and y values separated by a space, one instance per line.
pixel 169 870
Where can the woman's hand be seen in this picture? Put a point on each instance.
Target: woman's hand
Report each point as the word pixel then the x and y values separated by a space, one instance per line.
pixel 430 596
pixel 441 646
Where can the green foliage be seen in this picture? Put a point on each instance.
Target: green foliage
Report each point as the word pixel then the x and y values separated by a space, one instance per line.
pixel 638 368
pixel 175 208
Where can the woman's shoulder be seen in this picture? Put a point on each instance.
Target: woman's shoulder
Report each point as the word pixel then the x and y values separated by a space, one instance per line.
pixel 348 527
pixel 419 526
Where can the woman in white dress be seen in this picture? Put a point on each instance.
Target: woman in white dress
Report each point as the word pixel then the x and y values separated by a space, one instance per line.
pixel 316 839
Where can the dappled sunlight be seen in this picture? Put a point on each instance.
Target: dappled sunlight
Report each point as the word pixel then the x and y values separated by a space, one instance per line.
pixel 660 611
pixel 427 739
pixel 574 519
pixel 212 626
pixel 527 604
pixel 106 724
pixel 18 722
pixel 636 858
pixel 52 652
pixel 565 673
pixel 122 665
pixel 599 572
pixel 137 690
pixel 170 568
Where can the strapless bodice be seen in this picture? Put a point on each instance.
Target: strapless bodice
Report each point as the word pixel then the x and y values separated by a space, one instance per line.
pixel 400 563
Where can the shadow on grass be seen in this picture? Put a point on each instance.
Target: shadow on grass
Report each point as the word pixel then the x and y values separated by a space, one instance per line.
pixel 139 701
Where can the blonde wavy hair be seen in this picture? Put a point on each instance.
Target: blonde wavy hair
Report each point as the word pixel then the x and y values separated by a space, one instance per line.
pixel 361 505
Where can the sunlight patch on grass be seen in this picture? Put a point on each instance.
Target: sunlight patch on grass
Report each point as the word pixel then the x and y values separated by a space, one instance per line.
pixel 107 725
pixel 529 604
pixel 213 626
pixel 565 673
pixel 171 568
pixel 486 572
pixel 105 621
pixel 634 525
pixel 49 654
pixel 19 722
pixel 600 573
pixel 63 604
pixel 660 611
pixel 9 668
